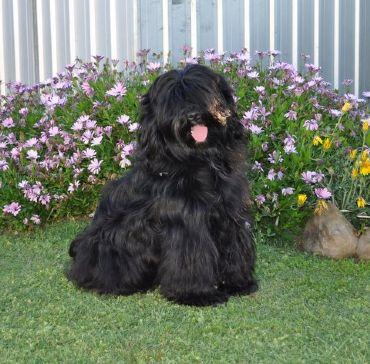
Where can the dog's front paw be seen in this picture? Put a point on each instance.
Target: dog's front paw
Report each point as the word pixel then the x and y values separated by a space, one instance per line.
pixel 211 298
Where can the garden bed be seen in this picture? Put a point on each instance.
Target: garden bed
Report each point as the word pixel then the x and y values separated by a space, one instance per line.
pixel 61 140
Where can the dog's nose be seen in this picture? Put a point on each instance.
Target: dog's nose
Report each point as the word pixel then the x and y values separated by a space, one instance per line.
pixel 194 118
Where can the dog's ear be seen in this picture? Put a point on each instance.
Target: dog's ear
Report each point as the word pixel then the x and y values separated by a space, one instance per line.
pixel 227 92
pixel 149 139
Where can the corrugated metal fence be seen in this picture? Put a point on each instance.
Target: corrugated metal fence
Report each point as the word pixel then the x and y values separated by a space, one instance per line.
pixel 39 37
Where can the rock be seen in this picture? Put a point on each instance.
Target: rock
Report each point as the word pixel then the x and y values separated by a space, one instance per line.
pixel 329 234
pixel 363 246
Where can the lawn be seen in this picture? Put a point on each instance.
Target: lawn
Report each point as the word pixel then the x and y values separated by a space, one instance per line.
pixel 308 309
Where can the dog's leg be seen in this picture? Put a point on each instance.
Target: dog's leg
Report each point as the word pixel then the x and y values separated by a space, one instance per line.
pixel 114 257
pixel 237 258
pixel 188 269
pixel 117 253
pixel 106 260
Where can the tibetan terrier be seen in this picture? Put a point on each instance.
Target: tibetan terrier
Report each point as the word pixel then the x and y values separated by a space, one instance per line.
pixel 179 218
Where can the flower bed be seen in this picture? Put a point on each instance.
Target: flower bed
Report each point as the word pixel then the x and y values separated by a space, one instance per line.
pixel 61 140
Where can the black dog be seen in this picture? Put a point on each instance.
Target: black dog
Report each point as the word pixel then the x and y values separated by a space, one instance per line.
pixel 179 218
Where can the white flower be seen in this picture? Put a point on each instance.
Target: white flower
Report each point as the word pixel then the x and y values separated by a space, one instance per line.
pixel 97 140
pixel 89 153
pixel 32 154
pixel 123 119
pixel 133 126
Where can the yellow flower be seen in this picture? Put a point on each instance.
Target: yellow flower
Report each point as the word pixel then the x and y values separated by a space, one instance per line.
pixel 365 124
pixel 361 202
pixel 354 173
pixel 316 140
pixel 346 107
pixel 302 199
pixel 353 154
pixel 327 144
pixel 365 167
pixel 364 155
pixel 321 207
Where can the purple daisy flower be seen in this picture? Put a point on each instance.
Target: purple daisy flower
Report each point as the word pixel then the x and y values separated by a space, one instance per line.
pixel 90 124
pixel 311 124
pixel 97 140
pixel 3 165
pixel 335 113
pixel 271 175
pixel 257 166
pixel 89 153
pixel 253 75
pixel 36 219
pixel 94 166
pixel 118 90
pixel 32 154
pixel 14 208
pixel 260 199
pixel 291 115
pixel 191 60
pixel 323 193
pixel 133 127
pixel 54 131
pixel 254 129
pixel 274 157
pixel 23 111
pixel 8 123
pixel 312 177
pixel 287 191
pixel 153 66
pixel 260 90
pixel 123 119
pixel 280 175
pixel 87 88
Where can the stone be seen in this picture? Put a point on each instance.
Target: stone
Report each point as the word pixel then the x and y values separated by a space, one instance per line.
pixel 329 234
pixel 363 246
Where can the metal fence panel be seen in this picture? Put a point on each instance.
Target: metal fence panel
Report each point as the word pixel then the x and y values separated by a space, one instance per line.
pixel 305 32
pixel 7 54
pixel 326 59
pixel 283 29
pixel 364 66
pixel 151 25
pixel 39 37
pixel 233 25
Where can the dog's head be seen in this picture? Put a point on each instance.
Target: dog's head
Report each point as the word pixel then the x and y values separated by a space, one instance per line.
pixel 187 111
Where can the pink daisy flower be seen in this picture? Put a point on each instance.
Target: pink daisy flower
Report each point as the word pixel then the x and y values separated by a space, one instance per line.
pixel 118 90
pixel 32 154
pixel 36 219
pixel 94 166
pixel 8 123
pixel 323 193
pixel 287 191
pixel 14 208
pixel 123 119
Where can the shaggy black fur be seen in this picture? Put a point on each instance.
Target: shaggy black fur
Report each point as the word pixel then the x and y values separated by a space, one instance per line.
pixel 179 218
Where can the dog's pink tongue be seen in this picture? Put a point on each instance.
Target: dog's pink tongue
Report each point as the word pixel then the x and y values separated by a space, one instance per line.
pixel 199 133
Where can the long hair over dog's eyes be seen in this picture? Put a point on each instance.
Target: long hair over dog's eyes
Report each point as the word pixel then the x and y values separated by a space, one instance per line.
pixel 219 113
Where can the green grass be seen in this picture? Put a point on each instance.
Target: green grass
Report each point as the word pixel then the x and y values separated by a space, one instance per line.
pixel 308 310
